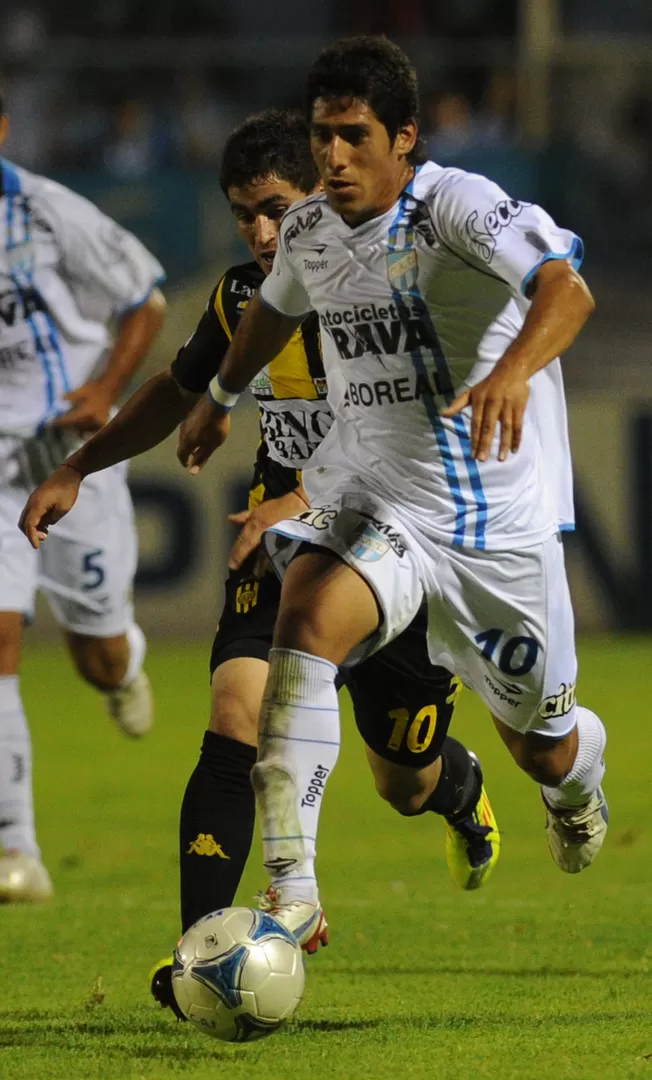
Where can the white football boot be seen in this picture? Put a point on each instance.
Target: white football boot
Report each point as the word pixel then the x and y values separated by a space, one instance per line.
pixel 576 833
pixel 132 707
pixel 305 921
pixel 23 879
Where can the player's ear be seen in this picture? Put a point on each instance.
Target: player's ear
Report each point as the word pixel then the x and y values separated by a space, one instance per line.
pixel 406 138
pixel 4 128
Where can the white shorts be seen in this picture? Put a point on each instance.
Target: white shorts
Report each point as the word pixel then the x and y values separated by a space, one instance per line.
pixel 501 621
pixel 87 564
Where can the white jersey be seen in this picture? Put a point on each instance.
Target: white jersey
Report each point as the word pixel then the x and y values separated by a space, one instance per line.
pixel 66 270
pixel 415 305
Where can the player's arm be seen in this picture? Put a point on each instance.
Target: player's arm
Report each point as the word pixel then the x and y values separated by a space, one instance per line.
pixel 255 522
pixel 266 326
pixel 107 268
pixel 521 245
pixel 91 403
pixel 561 304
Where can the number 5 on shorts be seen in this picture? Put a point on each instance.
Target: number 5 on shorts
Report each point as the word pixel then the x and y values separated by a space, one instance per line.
pixel 93 570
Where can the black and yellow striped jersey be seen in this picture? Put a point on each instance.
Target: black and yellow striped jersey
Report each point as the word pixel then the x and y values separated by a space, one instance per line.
pixel 290 391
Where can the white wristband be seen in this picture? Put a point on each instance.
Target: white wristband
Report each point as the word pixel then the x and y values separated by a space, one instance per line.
pixel 221 397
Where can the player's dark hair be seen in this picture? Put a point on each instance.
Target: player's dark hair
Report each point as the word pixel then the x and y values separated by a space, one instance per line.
pixel 372 69
pixel 273 143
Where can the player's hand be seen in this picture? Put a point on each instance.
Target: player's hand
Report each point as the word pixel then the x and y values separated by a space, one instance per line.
pixel 49 503
pixel 90 408
pixel 254 523
pixel 203 431
pixel 499 399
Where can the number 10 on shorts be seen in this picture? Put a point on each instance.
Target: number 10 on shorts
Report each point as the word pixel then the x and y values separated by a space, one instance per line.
pixel 512 655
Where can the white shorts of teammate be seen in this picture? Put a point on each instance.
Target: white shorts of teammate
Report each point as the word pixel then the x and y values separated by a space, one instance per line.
pixel 86 567
pixel 501 621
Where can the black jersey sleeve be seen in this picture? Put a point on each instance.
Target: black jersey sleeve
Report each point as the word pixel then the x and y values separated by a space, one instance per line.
pixel 198 361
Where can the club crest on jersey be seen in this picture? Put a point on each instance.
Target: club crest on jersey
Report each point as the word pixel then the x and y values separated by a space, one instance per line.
pixel 246 596
pixel 402 269
pixel 367 545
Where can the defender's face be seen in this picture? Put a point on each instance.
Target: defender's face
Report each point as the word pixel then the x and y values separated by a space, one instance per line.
pixel 258 208
pixel 362 172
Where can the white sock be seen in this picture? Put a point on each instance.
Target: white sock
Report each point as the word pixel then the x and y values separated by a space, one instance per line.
pixel 16 801
pixel 298 749
pixel 587 772
pixel 137 649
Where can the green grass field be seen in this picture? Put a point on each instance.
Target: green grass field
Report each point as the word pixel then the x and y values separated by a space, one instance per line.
pixel 538 975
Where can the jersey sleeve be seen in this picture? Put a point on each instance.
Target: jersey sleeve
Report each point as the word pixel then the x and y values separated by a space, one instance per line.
pixel 500 235
pixel 98 254
pixel 199 360
pixel 281 290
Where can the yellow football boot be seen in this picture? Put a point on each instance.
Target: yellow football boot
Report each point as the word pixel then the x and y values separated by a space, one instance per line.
pixel 473 843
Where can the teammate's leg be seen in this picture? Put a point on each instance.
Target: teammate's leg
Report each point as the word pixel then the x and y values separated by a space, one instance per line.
pixel 22 875
pixel 113 665
pixel 87 570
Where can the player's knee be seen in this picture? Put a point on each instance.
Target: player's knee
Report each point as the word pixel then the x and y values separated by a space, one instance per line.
pixel 406 801
pixel 102 662
pixel 546 765
pixel 11 633
pixel 233 719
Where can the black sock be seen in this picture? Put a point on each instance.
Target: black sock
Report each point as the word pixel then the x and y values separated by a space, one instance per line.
pixel 458 788
pixel 216 826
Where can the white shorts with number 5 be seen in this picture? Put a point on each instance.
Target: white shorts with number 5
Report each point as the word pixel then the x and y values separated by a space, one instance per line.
pixel 87 564
pixel 501 621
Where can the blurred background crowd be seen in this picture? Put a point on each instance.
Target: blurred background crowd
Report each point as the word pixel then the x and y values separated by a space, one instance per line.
pixel 555 94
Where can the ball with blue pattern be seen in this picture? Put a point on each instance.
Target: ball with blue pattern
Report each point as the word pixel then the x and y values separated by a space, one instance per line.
pixel 238 974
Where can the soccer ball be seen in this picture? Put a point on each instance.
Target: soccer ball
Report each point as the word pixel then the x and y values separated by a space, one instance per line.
pixel 238 974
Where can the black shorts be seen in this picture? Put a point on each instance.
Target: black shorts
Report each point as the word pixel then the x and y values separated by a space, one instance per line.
pixel 246 626
pixel 403 705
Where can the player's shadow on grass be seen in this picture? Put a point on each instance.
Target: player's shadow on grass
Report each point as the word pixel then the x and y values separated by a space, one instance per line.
pixel 334 1025
pixel 503 973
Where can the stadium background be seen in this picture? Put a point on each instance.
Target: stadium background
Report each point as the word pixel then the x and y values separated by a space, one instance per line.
pixel 130 104
pixel 539 974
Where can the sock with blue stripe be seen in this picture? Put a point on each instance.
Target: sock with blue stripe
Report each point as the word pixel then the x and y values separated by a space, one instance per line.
pixel 16 803
pixel 298 748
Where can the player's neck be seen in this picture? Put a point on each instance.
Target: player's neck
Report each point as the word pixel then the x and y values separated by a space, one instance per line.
pixel 385 202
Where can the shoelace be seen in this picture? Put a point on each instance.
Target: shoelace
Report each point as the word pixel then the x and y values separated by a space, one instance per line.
pixel 268 900
pixel 579 823
pixel 475 836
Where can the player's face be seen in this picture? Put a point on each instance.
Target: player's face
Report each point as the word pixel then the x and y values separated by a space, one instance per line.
pixel 258 208
pixel 362 172
pixel 4 128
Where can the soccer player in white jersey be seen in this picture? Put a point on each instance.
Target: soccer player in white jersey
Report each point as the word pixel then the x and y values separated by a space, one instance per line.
pixel 444 305
pixel 67 273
